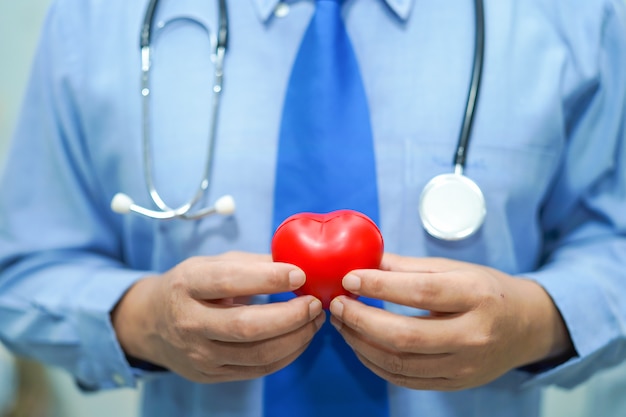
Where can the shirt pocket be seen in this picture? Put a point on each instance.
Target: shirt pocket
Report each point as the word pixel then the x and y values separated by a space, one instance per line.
pixel 514 179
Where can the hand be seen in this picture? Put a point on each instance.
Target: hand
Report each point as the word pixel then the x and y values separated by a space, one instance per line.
pixel 191 319
pixel 483 323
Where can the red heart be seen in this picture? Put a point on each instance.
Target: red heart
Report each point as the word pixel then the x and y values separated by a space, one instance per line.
pixel 326 247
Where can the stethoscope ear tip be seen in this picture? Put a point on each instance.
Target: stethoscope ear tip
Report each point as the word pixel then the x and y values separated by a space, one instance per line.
pixel 225 205
pixel 121 203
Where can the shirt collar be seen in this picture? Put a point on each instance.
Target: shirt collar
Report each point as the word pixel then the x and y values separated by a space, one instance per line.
pixel 265 8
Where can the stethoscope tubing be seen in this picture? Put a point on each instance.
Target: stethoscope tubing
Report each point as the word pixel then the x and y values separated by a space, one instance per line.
pixel 460 155
pixel 123 204
pixel 182 211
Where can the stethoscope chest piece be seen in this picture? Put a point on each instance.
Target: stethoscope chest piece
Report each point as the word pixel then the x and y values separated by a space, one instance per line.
pixel 452 207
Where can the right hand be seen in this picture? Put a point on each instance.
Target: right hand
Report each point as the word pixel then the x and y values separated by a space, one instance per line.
pixel 193 319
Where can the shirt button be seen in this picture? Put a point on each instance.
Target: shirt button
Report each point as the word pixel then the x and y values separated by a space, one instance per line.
pixel 119 380
pixel 281 10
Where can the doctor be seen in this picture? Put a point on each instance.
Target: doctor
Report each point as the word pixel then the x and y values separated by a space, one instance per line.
pixel 476 326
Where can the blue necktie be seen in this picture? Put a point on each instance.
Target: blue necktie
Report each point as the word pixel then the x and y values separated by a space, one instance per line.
pixel 325 162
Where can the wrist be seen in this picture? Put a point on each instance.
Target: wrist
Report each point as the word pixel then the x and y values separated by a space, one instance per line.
pixel 547 338
pixel 133 320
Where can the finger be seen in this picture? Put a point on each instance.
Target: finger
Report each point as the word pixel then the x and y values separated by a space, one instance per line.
pixel 207 279
pixel 443 292
pixel 397 263
pixel 229 373
pixel 267 352
pixel 401 363
pixel 257 322
pixel 427 335
pixel 436 383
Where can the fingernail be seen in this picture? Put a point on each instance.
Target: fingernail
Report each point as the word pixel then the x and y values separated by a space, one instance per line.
pixel 336 307
pixel 352 283
pixel 315 308
pixel 296 278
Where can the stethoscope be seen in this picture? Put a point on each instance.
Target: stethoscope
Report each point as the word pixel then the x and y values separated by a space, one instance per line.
pixel 451 207
pixel 122 203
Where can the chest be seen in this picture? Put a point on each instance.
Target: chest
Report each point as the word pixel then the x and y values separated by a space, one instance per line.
pixel 416 74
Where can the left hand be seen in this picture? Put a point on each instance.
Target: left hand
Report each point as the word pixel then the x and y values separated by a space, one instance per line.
pixel 483 323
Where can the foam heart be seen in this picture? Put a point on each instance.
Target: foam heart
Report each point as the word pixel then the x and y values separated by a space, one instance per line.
pixel 326 247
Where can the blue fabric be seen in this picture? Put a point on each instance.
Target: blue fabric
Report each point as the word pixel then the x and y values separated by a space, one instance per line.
pixel 325 162
pixel 325 154
pixel 548 151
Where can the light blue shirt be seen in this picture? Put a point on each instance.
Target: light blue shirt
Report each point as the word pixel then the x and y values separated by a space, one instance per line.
pixel 547 149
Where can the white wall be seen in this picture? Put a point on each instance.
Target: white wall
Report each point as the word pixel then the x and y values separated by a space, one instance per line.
pixel 19 29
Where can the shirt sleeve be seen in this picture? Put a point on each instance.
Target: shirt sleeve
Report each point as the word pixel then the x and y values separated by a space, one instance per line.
pixel 61 260
pixel 584 268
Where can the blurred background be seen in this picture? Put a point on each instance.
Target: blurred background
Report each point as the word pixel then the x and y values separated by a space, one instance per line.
pixel 28 389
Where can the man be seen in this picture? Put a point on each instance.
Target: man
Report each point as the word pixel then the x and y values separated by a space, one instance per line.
pixel 535 297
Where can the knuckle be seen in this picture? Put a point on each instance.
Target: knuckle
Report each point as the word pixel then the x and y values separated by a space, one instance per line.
pixel 264 356
pixel 197 359
pixel 185 327
pixel 482 292
pixel 460 373
pixel 184 273
pixel 220 276
pixel 486 289
pixel 180 274
pixel 395 363
pixel 425 291
pixel 276 278
pixel 481 338
pixel 177 324
pixel 374 283
pixel 405 340
pixel 242 328
pixel 202 362
pixel 400 380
